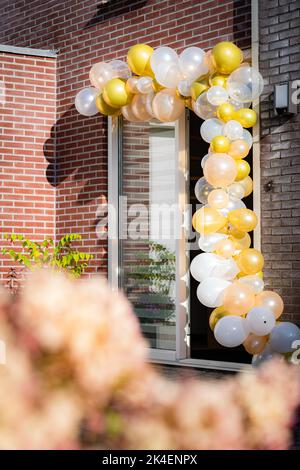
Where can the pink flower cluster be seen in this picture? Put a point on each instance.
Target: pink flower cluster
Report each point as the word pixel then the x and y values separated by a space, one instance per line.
pixel 77 376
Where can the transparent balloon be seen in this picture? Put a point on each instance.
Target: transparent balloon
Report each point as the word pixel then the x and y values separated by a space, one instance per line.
pixel 169 75
pixel 202 190
pixel 184 87
pixel 203 108
pixel 236 191
pixel 247 137
pixel 266 355
pixel 204 160
pixel 85 101
pixel 208 242
pixel 227 270
pixel 255 282
pixel 232 205
pixel 120 68
pixel 128 113
pixel 131 85
pixel 245 84
pixel 218 199
pixel 101 73
pixel 145 85
pixel 261 321
pixel 161 56
pixel 192 63
pixel 217 95
pixel 167 107
pixel 139 107
pixel 233 130
pixel 210 291
pixel 231 331
pixel 210 128
pixel 238 105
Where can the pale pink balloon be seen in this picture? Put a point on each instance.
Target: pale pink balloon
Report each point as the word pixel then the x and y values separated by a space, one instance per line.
pixel 220 170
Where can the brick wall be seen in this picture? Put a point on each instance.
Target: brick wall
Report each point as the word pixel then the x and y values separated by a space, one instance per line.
pixel 86 31
pixel 27 114
pixel 280 153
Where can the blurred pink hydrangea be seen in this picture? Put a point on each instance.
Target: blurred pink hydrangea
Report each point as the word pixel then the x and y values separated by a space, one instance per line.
pixel 77 376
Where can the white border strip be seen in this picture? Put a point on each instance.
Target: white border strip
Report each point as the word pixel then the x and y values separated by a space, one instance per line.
pixel 29 51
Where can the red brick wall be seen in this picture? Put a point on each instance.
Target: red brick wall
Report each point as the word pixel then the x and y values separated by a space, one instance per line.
pixel 27 114
pixel 280 153
pixel 85 32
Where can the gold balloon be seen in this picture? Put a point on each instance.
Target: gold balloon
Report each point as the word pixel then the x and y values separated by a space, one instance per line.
pixel 215 316
pixel 227 57
pixel 188 103
pixel 103 107
pixel 156 86
pixel 238 149
pixel 255 344
pixel 225 248
pixel 238 299
pixel 260 274
pixel 138 59
pixel 115 94
pixel 247 184
pixel 250 261
pixel 242 243
pixel 220 170
pixel 220 144
pixel 244 220
pixel 197 88
pixel 210 61
pixel 218 199
pixel 225 112
pixel 270 300
pixel 217 79
pixel 243 169
pixel 207 220
pixel 131 85
pixel 246 117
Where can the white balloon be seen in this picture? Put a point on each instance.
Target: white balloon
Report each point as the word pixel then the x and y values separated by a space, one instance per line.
pixel 204 264
pixel 233 130
pixel 261 321
pixel 227 269
pixel 168 75
pixel 120 68
pixel 184 87
pixel 236 191
pixel 232 205
pixel 144 85
pixel 210 291
pixel 256 283
pixel 208 242
pixel 245 84
pixel 192 63
pixel 210 129
pixel 204 160
pixel 203 108
pixel 217 95
pixel 247 137
pixel 231 331
pixel 85 101
pixel 161 56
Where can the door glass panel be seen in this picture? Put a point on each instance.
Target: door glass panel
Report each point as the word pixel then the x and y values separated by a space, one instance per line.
pixel 147 241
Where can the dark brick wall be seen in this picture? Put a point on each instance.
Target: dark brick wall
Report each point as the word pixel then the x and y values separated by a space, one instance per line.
pixel 279 61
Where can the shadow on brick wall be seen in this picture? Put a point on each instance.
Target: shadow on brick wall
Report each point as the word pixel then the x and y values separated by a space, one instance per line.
pixel 113 9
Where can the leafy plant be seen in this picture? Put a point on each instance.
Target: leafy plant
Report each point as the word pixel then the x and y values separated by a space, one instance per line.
pixel 48 253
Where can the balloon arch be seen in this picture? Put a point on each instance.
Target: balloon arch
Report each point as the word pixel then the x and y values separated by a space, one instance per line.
pixel 220 88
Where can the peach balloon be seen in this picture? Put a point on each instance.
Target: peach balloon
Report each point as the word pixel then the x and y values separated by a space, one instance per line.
pixel 244 220
pixel 255 344
pixel 238 149
pixel 270 300
pixel 218 199
pixel 243 169
pixel 167 107
pixel 131 85
pixel 247 184
pixel 250 261
pixel 238 299
pixel 220 170
pixel 225 248
pixel 207 220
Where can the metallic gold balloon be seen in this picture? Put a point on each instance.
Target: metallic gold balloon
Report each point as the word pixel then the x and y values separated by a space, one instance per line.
pixel 227 57
pixel 217 79
pixel 207 220
pixel 220 144
pixel 246 117
pixel 225 248
pixel 234 232
pixel 215 316
pixel 103 107
pixel 225 112
pixel 250 261
pixel 270 300
pixel 244 220
pixel 255 344
pixel 115 94
pixel 138 59
pixel 239 299
pixel 218 199
pixel 197 88
pixel 247 184
pixel 238 149
pixel 243 169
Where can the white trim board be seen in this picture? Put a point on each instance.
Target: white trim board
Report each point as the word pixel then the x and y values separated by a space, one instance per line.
pixel 29 51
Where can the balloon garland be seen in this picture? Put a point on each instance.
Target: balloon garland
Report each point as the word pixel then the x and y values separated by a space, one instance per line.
pixel 220 88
